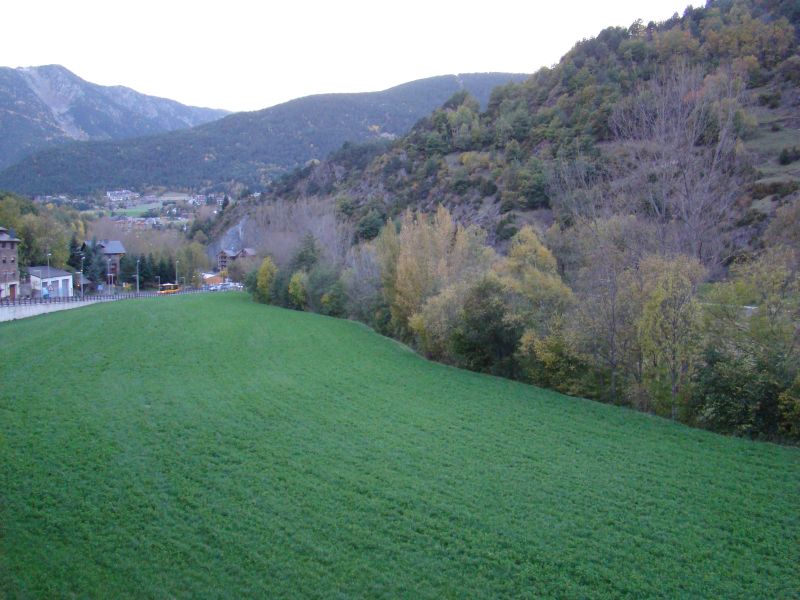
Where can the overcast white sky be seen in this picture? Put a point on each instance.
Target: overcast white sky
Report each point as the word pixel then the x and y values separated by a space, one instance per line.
pixel 251 54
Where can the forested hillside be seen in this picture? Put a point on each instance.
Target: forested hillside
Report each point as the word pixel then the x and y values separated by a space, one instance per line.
pixel 577 125
pixel 245 148
pixel 43 107
pixel 622 226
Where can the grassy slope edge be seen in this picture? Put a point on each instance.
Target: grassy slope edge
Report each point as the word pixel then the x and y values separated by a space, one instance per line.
pixel 209 446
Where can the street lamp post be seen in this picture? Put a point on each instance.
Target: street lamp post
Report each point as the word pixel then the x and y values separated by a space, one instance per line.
pixel 82 297
pixel 177 262
pixel 158 281
pixel 48 272
pixel 137 276
pixel 108 271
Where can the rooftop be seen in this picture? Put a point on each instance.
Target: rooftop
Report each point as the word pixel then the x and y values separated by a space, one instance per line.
pixel 108 246
pixel 5 236
pixel 45 272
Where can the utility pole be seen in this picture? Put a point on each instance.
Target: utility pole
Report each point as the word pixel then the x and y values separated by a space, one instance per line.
pixel 137 276
pixel 48 271
pixel 82 276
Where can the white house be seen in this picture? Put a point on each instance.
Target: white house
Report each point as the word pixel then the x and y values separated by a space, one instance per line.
pixel 49 282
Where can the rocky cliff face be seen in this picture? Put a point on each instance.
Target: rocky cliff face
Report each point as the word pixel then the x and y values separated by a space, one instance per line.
pixel 42 107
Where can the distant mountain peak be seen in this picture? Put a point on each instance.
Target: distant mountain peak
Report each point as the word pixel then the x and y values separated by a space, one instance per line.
pixel 248 147
pixel 48 105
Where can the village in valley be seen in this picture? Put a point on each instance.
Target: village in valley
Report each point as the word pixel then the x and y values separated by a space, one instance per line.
pixel 134 211
pixel 137 218
pixel 525 324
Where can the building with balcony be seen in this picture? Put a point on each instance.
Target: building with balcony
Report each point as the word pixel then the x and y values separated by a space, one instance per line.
pixel 225 257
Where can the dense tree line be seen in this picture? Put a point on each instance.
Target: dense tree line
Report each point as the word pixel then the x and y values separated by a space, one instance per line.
pixel 657 286
pixel 42 229
pixel 55 234
pixel 600 96
pixel 627 324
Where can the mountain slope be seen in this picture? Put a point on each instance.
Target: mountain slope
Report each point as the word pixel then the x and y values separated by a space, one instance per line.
pixel 42 107
pixel 318 459
pixel 503 167
pixel 247 147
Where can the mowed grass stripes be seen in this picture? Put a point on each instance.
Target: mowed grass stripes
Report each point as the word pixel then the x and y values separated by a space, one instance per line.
pixel 206 446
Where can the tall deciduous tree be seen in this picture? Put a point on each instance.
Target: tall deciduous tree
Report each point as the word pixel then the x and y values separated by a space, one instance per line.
pixel 670 323
pixel 530 273
pixel 298 290
pixel 265 278
pixel 488 333
pixel 609 295
pixel 682 166
pixel 428 255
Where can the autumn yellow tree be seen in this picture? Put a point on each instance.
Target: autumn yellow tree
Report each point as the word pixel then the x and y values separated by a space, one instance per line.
pixel 430 254
pixel 298 286
pixel 670 325
pixel 264 279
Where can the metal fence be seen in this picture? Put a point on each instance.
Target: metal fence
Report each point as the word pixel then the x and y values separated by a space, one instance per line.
pixel 95 297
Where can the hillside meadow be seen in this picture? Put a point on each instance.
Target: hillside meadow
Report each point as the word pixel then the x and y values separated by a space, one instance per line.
pixel 208 446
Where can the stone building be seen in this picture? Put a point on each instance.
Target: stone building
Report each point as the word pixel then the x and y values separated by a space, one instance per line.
pixel 9 267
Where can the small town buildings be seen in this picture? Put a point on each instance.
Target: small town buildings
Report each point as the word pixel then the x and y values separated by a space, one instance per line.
pixel 225 257
pixel 9 270
pixel 47 282
pixel 113 251
pixel 121 196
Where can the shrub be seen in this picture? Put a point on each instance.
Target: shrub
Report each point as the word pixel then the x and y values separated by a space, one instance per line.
pixel 789 155
pixel 770 99
pixel 434 324
pixel 738 396
pixel 369 226
pixel 506 229
pixel 553 362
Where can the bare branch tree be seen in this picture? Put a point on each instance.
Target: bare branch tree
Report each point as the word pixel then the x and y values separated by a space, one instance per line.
pixel 276 228
pixel 679 134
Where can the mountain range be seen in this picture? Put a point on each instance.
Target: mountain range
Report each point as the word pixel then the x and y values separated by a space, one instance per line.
pixel 43 107
pixel 561 144
pixel 249 148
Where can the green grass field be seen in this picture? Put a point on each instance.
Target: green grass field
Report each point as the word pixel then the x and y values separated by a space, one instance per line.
pixel 207 446
pixel 138 210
